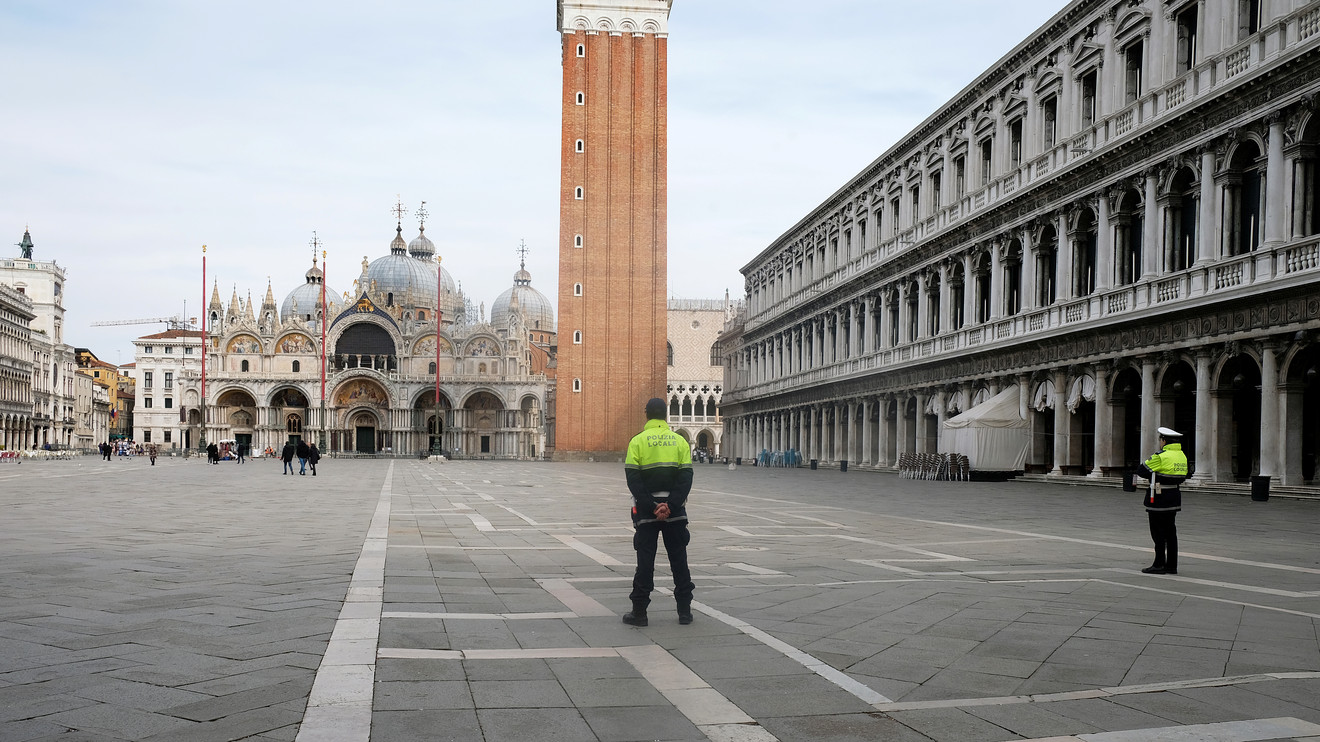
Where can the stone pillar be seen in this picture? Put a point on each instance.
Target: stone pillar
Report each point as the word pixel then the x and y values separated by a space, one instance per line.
pixel 1104 247
pixel 854 338
pixel 901 428
pixel 1204 420
pixel 868 407
pixel 1150 225
pixel 1061 422
pixel 945 318
pixel 1149 409
pixel 902 314
pixel 835 449
pixel 923 307
pixel 1030 273
pixel 1274 172
pixel 868 331
pixel 882 434
pixel 1205 219
pixel 1269 411
pixel 996 282
pixel 1065 283
pixel 923 445
pixel 1104 423
pixel 969 289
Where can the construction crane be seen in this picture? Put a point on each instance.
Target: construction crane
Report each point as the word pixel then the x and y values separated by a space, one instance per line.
pixel 176 322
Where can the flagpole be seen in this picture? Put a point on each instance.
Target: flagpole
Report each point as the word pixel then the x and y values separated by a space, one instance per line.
pixel 325 319
pixel 201 438
pixel 436 447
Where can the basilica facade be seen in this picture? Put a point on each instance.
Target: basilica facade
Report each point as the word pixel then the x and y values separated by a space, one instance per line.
pixel 402 332
pixel 1119 219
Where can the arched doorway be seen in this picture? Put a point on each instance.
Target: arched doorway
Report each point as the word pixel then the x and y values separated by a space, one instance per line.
pixel 1125 403
pixel 429 420
pixel 1040 457
pixel 1301 391
pixel 363 426
pixel 361 402
pixel 237 410
pixel 1177 401
pixel 1238 406
pixel 290 407
pixel 483 412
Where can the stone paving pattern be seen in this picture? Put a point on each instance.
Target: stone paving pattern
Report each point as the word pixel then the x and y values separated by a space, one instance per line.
pixel 195 602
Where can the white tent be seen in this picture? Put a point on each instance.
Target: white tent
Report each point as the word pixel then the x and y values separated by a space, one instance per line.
pixel 992 435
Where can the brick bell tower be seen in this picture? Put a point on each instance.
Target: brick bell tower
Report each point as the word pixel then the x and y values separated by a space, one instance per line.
pixel 612 223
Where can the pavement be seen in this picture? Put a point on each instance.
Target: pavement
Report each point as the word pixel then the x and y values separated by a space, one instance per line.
pixel 408 600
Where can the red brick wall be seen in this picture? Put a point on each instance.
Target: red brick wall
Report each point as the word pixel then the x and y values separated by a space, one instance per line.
pixel 622 264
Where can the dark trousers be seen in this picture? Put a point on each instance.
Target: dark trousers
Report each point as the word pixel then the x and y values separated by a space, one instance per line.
pixel 1164 532
pixel 645 540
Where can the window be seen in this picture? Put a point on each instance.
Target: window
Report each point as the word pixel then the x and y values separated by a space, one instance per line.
pixel 187 351
pixel 582 50
pixel 1049 121
pixel 1248 18
pixel 577 337
pixel 715 355
pixel 146 436
pixel 297 366
pixel 169 349
pixel 146 379
pixel 936 185
pixel 1090 83
pixel 244 367
pixel 577 289
pixel 169 403
pixel 577 240
pixel 1187 26
pixel 577 385
pixel 147 349
pixel 893 217
pixel 581 99
pixel 959 176
pixel 169 379
pixel 430 368
pixel 578 193
pixel 1015 144
pixel 167 435
pixel 581 146
pixel 669 353
pixel 146 402
pixel 916 204
pixel 1132 69
pixel 987 158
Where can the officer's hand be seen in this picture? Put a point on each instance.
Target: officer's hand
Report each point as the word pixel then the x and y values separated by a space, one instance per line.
pixel 662 511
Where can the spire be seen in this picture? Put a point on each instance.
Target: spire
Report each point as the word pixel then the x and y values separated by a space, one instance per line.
pixel 234 306
pixel 215 304
pixel 247 308
pixel 269 302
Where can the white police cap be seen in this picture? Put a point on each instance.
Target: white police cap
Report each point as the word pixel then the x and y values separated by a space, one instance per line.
pixel 1169 433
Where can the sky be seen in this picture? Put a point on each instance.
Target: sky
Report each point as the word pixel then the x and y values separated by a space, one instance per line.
pixel 136 131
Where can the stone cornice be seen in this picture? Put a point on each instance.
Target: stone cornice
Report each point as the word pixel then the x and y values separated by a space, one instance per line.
pixel 625 16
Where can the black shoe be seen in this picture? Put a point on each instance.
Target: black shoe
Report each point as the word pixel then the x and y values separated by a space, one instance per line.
pixel 635 618
pixel 1154 571
pixel 685 618
pixel 1170 570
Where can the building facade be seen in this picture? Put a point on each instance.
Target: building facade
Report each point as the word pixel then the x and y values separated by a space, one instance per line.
pixel 53 361
pixel 16 400
pixel 161 361
pixel 696 370
pixel 403 331
pixel 612 242
pixel 1120 219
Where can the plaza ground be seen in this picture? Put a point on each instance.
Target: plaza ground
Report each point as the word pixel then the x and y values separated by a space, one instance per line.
pixel 407 600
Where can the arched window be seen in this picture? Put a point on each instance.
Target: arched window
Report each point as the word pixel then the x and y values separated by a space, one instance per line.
pixel 421 315
pixel 389 299
pixel 243 367
pixel 297 366
pixel 577 240
pixel 577 337
pixel 673 407
pixel 582 50
pixel 578 193
pixel 669 352
pixel 581 98
pixel 577 289
pixel 716 355
pixel 430 368
pixel 293 424
pixel 581 146
pixel 577 385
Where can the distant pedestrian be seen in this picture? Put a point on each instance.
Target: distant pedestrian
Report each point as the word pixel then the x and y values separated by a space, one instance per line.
pixel 287 456
pixel 242 453
pixel 212 454
pixel 1166 470
pixel 658 468
pixel 303 452
pixel 151 453
pixel 313 456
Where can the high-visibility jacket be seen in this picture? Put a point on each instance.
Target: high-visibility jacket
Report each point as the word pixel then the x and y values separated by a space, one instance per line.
pixel 1166 470
pixel 658 468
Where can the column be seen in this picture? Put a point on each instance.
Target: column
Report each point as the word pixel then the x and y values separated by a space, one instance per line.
pixel 901 428
pixel 996 282
pixel 1274 190
pixel 902 314
pixel 1104 423
pixel 946 311
pixel 922 445
pixel 1269 410
pixel 923 306
pixel 1030 273
pixel 882 435
pixel 1204 423
pixel 868 408
pixel 1065 283
pixel 1104 246
pixel 1151 249
pixel 1205 220
pixel 869 332
pixel 804 432
pixel 969 289
pixel 835 450
pixel 1061 420
pixel 1149 409
pixel 854 338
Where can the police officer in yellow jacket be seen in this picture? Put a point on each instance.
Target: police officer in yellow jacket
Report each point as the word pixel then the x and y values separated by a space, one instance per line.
pixel 1166 470
pixel 659 472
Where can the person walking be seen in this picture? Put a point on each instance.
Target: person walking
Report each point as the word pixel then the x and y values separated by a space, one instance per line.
pixel 313 456
pixel 1166 470
pixel 151 453
pixel 287 456
pixel 212 454
pixel 242 453
pixel 303 453
pixel 658 468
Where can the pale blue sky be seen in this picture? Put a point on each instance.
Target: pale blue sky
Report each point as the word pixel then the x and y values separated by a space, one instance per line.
pixel 135 131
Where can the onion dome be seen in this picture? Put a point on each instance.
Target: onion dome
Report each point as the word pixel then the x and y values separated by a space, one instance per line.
pixel 538 313
pixel 400 278
pixel 303 301
pixel 421 247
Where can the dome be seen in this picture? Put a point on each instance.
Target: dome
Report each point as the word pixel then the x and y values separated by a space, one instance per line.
pixel 307 298
pixel 421 247
pixel 400 273
pixel 536 309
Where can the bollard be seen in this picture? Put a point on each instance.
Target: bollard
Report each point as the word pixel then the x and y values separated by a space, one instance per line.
pixel 1260 489
pixel 1129 483
pixel 843 465
pixel 813 464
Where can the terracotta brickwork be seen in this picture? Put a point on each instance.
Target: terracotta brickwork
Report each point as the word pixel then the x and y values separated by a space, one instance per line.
pixel 612 266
